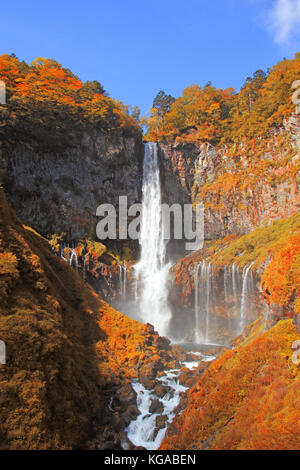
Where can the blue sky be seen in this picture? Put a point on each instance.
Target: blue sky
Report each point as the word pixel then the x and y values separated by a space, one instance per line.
pixel 135 48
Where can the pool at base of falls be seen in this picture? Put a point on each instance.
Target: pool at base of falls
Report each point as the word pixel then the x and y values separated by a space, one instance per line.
pixel 143 431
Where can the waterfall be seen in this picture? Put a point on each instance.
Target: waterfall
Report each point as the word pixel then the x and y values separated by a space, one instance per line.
pixel 123 279
pixel 62 255
pixel 222 300
pixel 226 284
pixel 233 276
pixel 74 257
pixel 244 296
pixel 151 271
pixel 204 299
pixel 84 266
pixel 196 288
pixel 207 294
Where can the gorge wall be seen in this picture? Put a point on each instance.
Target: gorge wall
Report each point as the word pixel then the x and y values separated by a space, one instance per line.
pixel 241 185
pixel 58 192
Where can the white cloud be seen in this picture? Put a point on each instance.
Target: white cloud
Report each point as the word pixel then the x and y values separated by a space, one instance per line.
pixel 284 20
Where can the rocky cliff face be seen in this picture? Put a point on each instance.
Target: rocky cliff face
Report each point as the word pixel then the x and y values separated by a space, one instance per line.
pixel 60 191
pixel 242 185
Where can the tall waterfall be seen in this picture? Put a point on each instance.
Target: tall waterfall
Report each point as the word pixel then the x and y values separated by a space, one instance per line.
pixel 152 271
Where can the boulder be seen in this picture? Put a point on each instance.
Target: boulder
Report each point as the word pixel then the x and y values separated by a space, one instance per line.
pixel 156 406
pixel 148 382
pixel 161 390
pixel 161 421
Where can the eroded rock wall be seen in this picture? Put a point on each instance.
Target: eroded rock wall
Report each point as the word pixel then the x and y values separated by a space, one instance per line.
pixel 59 192
pixel 241 186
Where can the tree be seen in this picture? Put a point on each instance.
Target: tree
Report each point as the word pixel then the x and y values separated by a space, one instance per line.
pixel 162 103
pixel 89 89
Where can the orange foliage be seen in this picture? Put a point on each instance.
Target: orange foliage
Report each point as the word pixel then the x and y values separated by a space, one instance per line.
pixel 281 279
pixel 247 399
pixel 66 348
pixel 202 114
pixel 50 101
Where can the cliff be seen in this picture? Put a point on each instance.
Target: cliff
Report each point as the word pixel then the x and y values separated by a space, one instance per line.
pixel 243 184
pixel 57 192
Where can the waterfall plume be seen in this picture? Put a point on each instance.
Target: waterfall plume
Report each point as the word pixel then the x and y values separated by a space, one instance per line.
pixel 152 271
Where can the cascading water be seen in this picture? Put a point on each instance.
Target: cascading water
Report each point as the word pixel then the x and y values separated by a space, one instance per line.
pixel 224 300
pixel 196 288
pixel 204 299
pixel 234 284
pixel 244 296
pixel 84 265
pixel 123 280
pixel 151 271
pixel 207 294
pixel 143 430
pixel 74 258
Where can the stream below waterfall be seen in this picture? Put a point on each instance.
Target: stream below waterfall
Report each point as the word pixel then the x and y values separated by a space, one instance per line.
pixel 143 431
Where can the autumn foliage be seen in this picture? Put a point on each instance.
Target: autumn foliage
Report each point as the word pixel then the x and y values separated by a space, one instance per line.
pixel 248 399
pixel 49 105
pixel 223 116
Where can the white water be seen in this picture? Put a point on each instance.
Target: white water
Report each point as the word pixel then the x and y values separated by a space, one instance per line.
pixel 141 431
pixel 84 265
pixel 244 296
pixel 234 276
pixel 74 258
pixel 123 280
pixel 196 288
pixel 203 285
pixel 207 274
pixel 152 271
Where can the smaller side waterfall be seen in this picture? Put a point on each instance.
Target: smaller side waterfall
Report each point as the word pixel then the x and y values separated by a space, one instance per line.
pixel 245 294
pixel 204 301
pixel 225 301
pixel 234 280
pixel 74 258
pixel 62 255
pixel 84 265
pixel 208 295
pixel 196 288
pixel 123 280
